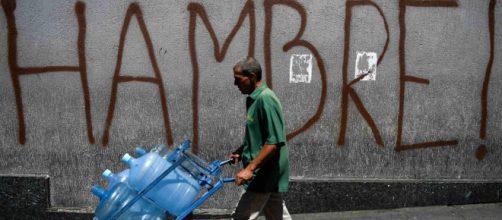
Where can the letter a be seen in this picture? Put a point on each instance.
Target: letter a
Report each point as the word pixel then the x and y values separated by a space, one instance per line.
pixel 117 78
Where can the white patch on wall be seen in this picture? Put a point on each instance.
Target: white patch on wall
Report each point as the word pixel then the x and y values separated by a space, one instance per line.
pixel 366 63
pixel 300 68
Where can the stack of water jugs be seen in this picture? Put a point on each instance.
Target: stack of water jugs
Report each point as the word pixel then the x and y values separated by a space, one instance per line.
pixel 157 181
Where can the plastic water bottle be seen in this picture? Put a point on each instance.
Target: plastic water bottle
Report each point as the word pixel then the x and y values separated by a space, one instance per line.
pixel 114 199
pixel 140 151
pixel 175 192
pixel 192 165
pixel 113 178
pixel 162 150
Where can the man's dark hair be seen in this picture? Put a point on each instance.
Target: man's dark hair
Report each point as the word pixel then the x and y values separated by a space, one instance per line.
pixel 249 65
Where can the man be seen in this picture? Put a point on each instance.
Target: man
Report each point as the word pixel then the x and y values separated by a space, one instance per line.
pixel 264 153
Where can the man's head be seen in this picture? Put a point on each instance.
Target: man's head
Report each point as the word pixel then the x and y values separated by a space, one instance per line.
pixel 247 75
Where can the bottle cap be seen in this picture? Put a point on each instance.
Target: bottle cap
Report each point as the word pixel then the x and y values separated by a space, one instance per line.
pixel 140 151
pixel 127 158
pixel 98 191
pixel 106 174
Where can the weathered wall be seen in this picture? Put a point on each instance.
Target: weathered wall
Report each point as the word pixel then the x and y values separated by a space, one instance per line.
pixel 82 82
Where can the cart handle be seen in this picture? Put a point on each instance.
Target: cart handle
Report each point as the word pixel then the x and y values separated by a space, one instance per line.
pixel 225 162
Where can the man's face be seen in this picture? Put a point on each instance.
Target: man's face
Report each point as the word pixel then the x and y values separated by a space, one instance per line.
pixel 243 82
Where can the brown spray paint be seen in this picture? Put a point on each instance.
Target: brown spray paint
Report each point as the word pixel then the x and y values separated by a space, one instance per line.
pixel 197 9
pixel 481 150
pixel 9 6
pixel 347 87
pixel 404 77
pixel 248 10
pixel 135 10
pixel 297 41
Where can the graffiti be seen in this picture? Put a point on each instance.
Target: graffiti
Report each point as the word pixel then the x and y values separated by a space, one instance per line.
pixel 296 42
pixel 481 151
pixel 248 10
pixel 134 10
pixel 198 15
pixel 404 77
pixel 16 71
pixel 347 87
pixel 197 9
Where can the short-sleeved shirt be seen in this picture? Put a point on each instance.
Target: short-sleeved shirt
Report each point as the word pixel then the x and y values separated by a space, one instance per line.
pixel 265 125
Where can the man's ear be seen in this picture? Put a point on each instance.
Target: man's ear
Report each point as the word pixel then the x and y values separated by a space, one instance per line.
pixel 252 76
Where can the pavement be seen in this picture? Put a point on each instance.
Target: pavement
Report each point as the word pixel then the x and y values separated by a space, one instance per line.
pixel 487 211
pixel 461 212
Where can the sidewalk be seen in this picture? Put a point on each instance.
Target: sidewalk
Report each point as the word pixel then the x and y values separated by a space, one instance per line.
pixel 487 211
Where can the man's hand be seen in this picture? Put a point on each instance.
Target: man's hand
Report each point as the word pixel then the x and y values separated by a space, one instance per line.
pixel 244 176
pixel 236 155
pixel 235 158
pixel 247 173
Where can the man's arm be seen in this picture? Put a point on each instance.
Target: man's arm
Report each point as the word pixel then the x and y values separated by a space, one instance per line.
pixel 246 174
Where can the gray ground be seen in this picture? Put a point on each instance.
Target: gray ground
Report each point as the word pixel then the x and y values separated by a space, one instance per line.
pixel 478 211
pixel 461 212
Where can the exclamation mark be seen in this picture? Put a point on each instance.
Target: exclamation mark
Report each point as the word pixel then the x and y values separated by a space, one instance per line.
pixel 482 150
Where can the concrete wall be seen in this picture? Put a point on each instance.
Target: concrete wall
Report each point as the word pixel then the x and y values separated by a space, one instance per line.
pixel 83 82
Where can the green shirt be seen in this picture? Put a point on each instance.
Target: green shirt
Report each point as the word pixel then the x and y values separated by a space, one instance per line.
pixel 265 125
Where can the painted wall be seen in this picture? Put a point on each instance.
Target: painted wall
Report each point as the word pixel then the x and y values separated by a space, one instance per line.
pixel 83 82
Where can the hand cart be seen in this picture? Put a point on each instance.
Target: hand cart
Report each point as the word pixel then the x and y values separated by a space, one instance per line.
pixel 207 175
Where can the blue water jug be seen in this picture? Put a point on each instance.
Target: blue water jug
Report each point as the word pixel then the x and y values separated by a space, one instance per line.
pixel 161 149
pixel 113 178
pixel 140 151
pixel 114 199
pixel 175 192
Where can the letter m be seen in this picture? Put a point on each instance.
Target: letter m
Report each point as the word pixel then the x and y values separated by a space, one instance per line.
pixel 219 53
